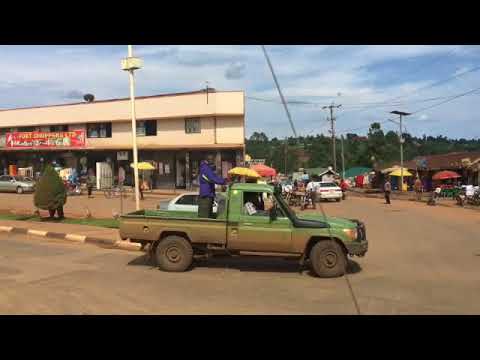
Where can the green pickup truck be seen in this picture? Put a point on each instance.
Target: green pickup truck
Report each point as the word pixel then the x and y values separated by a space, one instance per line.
pixel 176 238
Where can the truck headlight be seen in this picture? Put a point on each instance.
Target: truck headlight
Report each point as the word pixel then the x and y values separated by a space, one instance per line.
pixel 351 233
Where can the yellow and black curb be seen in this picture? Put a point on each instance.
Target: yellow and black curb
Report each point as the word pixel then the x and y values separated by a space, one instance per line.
pixel 102 242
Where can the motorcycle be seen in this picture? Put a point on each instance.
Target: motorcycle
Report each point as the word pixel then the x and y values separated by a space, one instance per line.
pixel 73 188
pixel 467 197
pixel 307 200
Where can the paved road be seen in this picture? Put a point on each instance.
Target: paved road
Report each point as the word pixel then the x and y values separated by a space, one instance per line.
pixel 422 260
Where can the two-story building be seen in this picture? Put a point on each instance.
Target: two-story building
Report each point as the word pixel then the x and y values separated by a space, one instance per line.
pixel 174 132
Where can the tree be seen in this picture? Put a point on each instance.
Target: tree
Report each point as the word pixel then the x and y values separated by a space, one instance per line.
pixel 50 193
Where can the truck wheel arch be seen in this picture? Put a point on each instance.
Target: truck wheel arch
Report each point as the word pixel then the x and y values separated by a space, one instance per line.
pixel 167 233
pixel 315 239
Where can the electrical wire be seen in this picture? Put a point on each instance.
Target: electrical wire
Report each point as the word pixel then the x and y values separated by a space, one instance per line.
pixel 451 98
pixel 443 81
pixel 443 102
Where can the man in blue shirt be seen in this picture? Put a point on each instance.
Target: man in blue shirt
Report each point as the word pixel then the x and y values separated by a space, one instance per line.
pixel 207 180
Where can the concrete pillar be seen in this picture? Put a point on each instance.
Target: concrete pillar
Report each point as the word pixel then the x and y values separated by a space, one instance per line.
pixel 239 160
pixel 188 184
pixel 218 162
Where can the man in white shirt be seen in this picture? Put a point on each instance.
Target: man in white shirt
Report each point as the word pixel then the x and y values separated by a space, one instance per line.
pixel 312 192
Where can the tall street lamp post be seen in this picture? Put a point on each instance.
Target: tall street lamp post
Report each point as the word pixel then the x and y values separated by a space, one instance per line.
pixel 131 64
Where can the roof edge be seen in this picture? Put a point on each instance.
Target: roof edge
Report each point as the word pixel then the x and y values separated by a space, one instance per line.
pixel 122 99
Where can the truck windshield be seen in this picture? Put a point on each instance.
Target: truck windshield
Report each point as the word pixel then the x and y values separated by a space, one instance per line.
pixel 290 213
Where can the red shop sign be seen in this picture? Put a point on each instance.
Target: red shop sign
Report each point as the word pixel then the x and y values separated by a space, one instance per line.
pixel 40 139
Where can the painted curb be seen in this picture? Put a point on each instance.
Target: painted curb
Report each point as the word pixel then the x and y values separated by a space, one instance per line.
pixel 102 242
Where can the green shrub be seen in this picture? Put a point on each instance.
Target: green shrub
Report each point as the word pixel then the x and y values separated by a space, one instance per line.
pixel 50 192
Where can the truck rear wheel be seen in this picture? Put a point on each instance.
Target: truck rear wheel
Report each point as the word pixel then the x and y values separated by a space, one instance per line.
pixel 328 259
pixel 174 253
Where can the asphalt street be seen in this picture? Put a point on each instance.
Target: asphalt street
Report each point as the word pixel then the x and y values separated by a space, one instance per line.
pixel 422 260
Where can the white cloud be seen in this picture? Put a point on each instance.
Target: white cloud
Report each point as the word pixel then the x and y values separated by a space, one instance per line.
pixel 32 76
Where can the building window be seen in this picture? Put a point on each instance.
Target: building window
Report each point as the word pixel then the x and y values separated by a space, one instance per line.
pixel 192 126
pixel 99 130
pixel 58 128
pixel 147 128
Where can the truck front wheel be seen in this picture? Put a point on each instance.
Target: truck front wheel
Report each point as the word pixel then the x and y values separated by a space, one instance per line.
pixel 174 253
pixel 328 259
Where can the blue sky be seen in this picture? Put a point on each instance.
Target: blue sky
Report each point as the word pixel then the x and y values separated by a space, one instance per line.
pixel 364 79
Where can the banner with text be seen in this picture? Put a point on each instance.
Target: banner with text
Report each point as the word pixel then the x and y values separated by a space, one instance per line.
pixel 39 139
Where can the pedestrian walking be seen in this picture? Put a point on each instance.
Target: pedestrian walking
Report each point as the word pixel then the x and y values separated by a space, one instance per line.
pixel 388 189
pixel 91 182
pixel 418 189
pixel 311 190
pixel 344 187
pixel 207 180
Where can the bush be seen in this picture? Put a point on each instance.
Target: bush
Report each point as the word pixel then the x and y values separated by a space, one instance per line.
pixel 50 192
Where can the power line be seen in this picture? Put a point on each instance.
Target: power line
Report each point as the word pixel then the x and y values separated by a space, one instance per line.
pixel 450 98
pixel 360 104
pixel 279 90
pixel 443 81
pixel 443 102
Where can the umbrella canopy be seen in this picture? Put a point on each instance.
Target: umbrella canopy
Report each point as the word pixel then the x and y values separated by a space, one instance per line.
pixel 444 175
pixel 264 170
pixel 143 166
pixel 355 171
pixel 242 171
pixel 397 172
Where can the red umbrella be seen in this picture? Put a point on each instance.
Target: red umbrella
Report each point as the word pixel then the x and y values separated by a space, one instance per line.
pixel 444 175
pixel 264 170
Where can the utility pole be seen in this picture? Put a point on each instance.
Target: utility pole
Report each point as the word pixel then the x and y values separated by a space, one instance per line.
pixel 401 114
pixel 343 159
pixel 332 125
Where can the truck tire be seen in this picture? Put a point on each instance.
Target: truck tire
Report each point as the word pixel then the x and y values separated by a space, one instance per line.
pixel 328 259
pixel 338 199
pixel 174 253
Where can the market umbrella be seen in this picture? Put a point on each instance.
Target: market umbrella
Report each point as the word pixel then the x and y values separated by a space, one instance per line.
pixel 444 175
pixel 397 172
pixel 264 170
pixel 143 166
pixel 242 171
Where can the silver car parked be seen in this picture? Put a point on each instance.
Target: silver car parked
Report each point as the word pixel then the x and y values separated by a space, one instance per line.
pixel 16 184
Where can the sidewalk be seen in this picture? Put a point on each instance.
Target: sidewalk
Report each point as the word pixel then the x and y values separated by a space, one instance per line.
pixel 78 206
pixel 78 233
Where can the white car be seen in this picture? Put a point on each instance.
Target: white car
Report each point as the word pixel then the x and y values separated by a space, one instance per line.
pixel 188 202
pixel 327 190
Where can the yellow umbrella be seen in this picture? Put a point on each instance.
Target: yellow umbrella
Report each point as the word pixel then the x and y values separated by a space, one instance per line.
pixel 242 171
pixel 397 172
pixel 143 166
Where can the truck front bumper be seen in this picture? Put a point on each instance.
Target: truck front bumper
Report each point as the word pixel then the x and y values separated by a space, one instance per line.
pixel 357 248
pixel 360 246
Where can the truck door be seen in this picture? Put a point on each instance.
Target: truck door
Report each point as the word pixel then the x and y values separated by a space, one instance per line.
pixel 255 231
